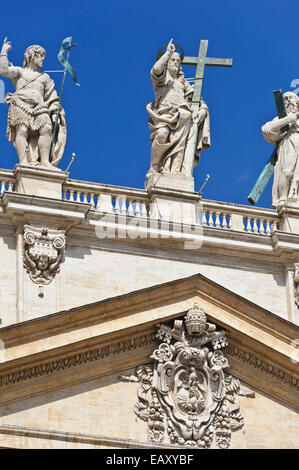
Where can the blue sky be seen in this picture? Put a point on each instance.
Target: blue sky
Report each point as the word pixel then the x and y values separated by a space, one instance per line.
pixel 118 41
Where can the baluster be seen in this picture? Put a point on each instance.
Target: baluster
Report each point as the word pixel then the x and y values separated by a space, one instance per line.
pixel 137 209
pixel 71 195
pixel 255 227
pixel 116 207
pixel 124 205
pixel 130 208
pixel 229 221
pixel 10 186
pixel 205 218
pixel 2 187
pixel 92 200
pixel 120 204
pixel 85 198
pixel 262 228
pixel 268 228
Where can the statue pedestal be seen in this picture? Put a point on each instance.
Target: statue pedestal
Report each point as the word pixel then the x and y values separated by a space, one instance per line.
pixel 170 181
pixel 170 205
pixel 173 198
pixel 289 216
pixel 39 181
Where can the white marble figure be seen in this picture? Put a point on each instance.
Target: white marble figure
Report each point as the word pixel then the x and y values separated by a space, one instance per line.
pixel 32 109
pixel 286 171
pixel 171 116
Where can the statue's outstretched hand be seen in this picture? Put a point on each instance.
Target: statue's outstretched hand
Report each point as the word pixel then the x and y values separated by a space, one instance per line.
pixel 6 46
pixel 171 46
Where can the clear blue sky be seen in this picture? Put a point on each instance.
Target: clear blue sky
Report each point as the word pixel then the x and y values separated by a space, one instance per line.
pixel 118 41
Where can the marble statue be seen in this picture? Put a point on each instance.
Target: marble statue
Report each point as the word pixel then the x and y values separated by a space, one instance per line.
pixel 171 116
pixel 32 109
pixel 286 170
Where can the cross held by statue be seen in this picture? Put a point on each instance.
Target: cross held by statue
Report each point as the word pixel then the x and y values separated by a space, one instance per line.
pixel 200 61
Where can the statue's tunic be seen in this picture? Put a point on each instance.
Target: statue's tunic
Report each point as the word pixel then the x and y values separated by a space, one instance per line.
pixel 33 104
pixel 288 159
pixel 172 110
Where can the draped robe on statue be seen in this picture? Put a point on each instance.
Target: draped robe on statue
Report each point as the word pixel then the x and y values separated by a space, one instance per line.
pixel 34 104
pixel 172 110
pixel 286 170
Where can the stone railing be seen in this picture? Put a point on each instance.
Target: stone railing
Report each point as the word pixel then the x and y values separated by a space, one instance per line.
pixel 134 202
pixel 108 199
pixel 7 181
pixel 237 217
pixel 119 200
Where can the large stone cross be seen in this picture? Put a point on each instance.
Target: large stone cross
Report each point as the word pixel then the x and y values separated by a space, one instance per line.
pixel 201 61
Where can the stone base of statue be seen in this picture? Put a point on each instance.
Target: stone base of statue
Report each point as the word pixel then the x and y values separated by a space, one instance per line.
pixel 171 205
pixel 39 181
pixel 171 181
pixel 173 197
pixel 289 217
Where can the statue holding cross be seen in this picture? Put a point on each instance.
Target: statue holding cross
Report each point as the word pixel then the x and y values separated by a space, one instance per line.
pixel 284 133
pixel 179 117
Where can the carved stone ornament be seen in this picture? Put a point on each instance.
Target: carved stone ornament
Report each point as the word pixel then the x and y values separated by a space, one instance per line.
pixel 186 391
pixel 43 249
pixel 296 283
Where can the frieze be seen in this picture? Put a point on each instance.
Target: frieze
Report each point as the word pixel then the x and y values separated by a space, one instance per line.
pixel 78 359
pixel 262 366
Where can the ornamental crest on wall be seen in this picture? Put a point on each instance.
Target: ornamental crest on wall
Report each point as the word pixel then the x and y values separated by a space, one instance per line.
pixel 186 392
pixel 43 249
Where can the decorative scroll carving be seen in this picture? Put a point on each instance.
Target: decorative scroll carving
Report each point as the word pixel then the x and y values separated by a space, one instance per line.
pixel 43 250
pixel 186 390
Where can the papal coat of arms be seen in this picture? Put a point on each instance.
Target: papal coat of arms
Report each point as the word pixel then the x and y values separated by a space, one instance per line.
pixel 186 392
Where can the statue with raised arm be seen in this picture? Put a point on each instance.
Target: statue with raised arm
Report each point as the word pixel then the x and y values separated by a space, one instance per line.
pixel 171 116
pixel 285 133
pixel 32 109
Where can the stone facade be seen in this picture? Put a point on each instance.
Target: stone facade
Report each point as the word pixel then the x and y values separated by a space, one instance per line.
pixel 125 265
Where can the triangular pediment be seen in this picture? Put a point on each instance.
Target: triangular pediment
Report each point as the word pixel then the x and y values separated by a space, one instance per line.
pixel 117 333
